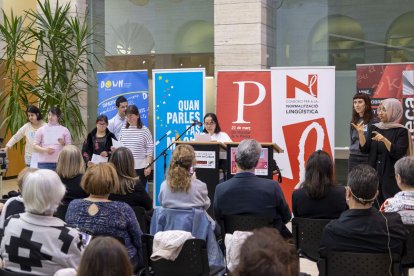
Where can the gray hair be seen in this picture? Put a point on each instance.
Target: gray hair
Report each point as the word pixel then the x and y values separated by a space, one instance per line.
pixel 248 154
pixel 43 192
pixel 405 168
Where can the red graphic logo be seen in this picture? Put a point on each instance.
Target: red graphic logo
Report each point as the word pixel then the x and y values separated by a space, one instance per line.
pixel 310 88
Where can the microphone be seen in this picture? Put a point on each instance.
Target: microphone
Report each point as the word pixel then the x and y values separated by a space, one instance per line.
pixel 198 123
pixel 159 140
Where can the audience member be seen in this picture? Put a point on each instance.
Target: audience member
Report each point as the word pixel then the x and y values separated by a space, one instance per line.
pixel 267 253
pixel 319 196
pixel 104 256
pixel 403 202
pixel 132 191
pixel 15 205
pixel 70 168
pixel 363 228
pixel 35 241
pixel 246 193
pixel 181 189
pixel 98 215
pixel 99 140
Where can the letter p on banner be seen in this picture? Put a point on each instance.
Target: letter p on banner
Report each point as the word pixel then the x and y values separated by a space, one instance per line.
pixel 244 104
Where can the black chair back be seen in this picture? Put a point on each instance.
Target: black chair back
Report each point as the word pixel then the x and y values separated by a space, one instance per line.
pixel 5 272
pixel 349 263
pixel 307 235
pixel 142 220
pixel 231 223
pixel 192 260
pixel 408 258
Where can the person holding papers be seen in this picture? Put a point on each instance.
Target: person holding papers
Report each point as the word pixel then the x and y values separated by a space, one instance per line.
pixel 50 139
pixel 138 139
pixel 212 127
pixel 98 142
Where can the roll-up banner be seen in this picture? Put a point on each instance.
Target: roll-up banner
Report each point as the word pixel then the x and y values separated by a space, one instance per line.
pixel 244 104
pixel 133 85
pixel 394 80
pixel 179 99
pixel 303 118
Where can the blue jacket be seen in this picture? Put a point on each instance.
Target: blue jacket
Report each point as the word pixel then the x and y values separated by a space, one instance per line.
pixel 195 221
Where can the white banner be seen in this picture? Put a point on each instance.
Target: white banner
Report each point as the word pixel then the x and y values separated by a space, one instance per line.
pixel 303 117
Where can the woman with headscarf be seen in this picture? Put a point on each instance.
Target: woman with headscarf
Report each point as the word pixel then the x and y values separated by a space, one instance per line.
pixel 388 141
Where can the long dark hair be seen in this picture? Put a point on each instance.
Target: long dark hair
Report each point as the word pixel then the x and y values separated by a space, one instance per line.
pixel 214 119
pixel 124 165
pixel 368 114
pixel 318 174
pixel 132 109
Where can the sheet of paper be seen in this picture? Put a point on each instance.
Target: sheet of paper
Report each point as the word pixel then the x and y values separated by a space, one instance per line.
pixel 34 160
pixel 116 144
pixel 96 159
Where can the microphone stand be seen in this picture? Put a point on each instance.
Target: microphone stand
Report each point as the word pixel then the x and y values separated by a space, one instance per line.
pixel 164 152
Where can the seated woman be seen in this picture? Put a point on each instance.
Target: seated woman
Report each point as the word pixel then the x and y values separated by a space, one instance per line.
pixel 70 168
pixel 98 215
pixel 318 196
pixel 132 191
pixel 102 256
pixel 15 205
pixel 99 140
pixel 212 127
pixel 182 190
pixel 36 242
pixel 403 202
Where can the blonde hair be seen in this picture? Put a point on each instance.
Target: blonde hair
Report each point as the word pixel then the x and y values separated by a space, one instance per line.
pixel 22 176
pixel 178 177
pixel 100 179
pixel 70 162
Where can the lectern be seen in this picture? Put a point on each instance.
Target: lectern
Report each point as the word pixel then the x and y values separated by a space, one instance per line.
pixel 207 169
pixel 262 169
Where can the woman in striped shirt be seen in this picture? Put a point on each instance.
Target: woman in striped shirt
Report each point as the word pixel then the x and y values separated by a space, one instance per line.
pixel 138 139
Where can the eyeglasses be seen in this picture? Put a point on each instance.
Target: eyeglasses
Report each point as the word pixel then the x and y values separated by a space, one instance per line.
pixel 102 124
pixel 210 124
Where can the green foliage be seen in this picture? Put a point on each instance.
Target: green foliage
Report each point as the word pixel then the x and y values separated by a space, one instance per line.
pixel 60 42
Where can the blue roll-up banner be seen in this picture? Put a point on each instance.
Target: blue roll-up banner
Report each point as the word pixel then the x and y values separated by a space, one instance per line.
pixel 179 98
pixel 133 85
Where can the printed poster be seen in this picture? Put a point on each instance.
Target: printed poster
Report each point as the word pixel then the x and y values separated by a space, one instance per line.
pixel 133 85
pixel 179 102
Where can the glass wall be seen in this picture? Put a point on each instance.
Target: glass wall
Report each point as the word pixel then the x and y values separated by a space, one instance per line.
pixel 342 34
pixel 151 34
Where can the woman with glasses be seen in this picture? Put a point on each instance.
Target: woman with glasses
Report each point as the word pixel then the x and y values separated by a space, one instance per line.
pixel 387 142
pixel 212 127
pixel 99 140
